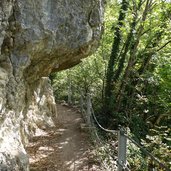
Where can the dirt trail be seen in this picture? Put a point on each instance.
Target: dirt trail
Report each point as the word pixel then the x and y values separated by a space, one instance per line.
pixel 64 147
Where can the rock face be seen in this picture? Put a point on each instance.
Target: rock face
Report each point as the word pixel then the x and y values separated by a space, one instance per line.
pixel 38 37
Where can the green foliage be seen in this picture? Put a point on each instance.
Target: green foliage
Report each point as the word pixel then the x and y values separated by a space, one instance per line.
pixel 137 161
pixel 134 83
pixel 87 77
pixel 159 143
pixel 59 82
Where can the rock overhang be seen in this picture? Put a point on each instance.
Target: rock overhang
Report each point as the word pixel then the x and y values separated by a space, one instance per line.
pixel 38 37
pixel 53 35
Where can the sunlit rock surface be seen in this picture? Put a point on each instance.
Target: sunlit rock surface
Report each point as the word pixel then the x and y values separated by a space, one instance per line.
pixel 38 37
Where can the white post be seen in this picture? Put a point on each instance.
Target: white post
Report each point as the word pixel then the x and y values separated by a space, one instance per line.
pixel 81 102
pixel 82 105
pixel 69 92
pixel 69 88
pixel 88 110
pixel 122 140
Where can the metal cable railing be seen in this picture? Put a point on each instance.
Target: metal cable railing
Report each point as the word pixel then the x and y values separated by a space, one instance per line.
pixel 100 126
pixel 122 141
pixel 148 153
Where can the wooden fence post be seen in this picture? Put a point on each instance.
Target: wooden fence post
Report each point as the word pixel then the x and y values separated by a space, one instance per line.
pixel 122 140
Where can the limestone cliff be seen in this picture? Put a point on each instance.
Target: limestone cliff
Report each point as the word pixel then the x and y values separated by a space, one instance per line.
pixel 38 37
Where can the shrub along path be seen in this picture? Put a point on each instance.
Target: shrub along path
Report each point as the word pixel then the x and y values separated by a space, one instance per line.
pixel 64 147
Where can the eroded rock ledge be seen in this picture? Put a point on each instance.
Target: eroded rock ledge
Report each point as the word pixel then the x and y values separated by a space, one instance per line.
pixel 38 37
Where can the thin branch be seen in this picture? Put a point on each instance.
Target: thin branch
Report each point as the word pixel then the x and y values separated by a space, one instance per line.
pixel 145 31
pixel 164 45
pixel 141 2
pixel 134 5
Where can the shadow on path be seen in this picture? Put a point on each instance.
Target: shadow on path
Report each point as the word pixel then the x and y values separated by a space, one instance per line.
pixel 64 147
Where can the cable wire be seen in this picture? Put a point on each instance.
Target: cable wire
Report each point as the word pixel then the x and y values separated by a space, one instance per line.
pixel 132 140
pixel 148 153
pixel 100 126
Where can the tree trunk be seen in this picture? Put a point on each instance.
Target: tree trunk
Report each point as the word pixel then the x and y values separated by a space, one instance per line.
pixel 113 57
